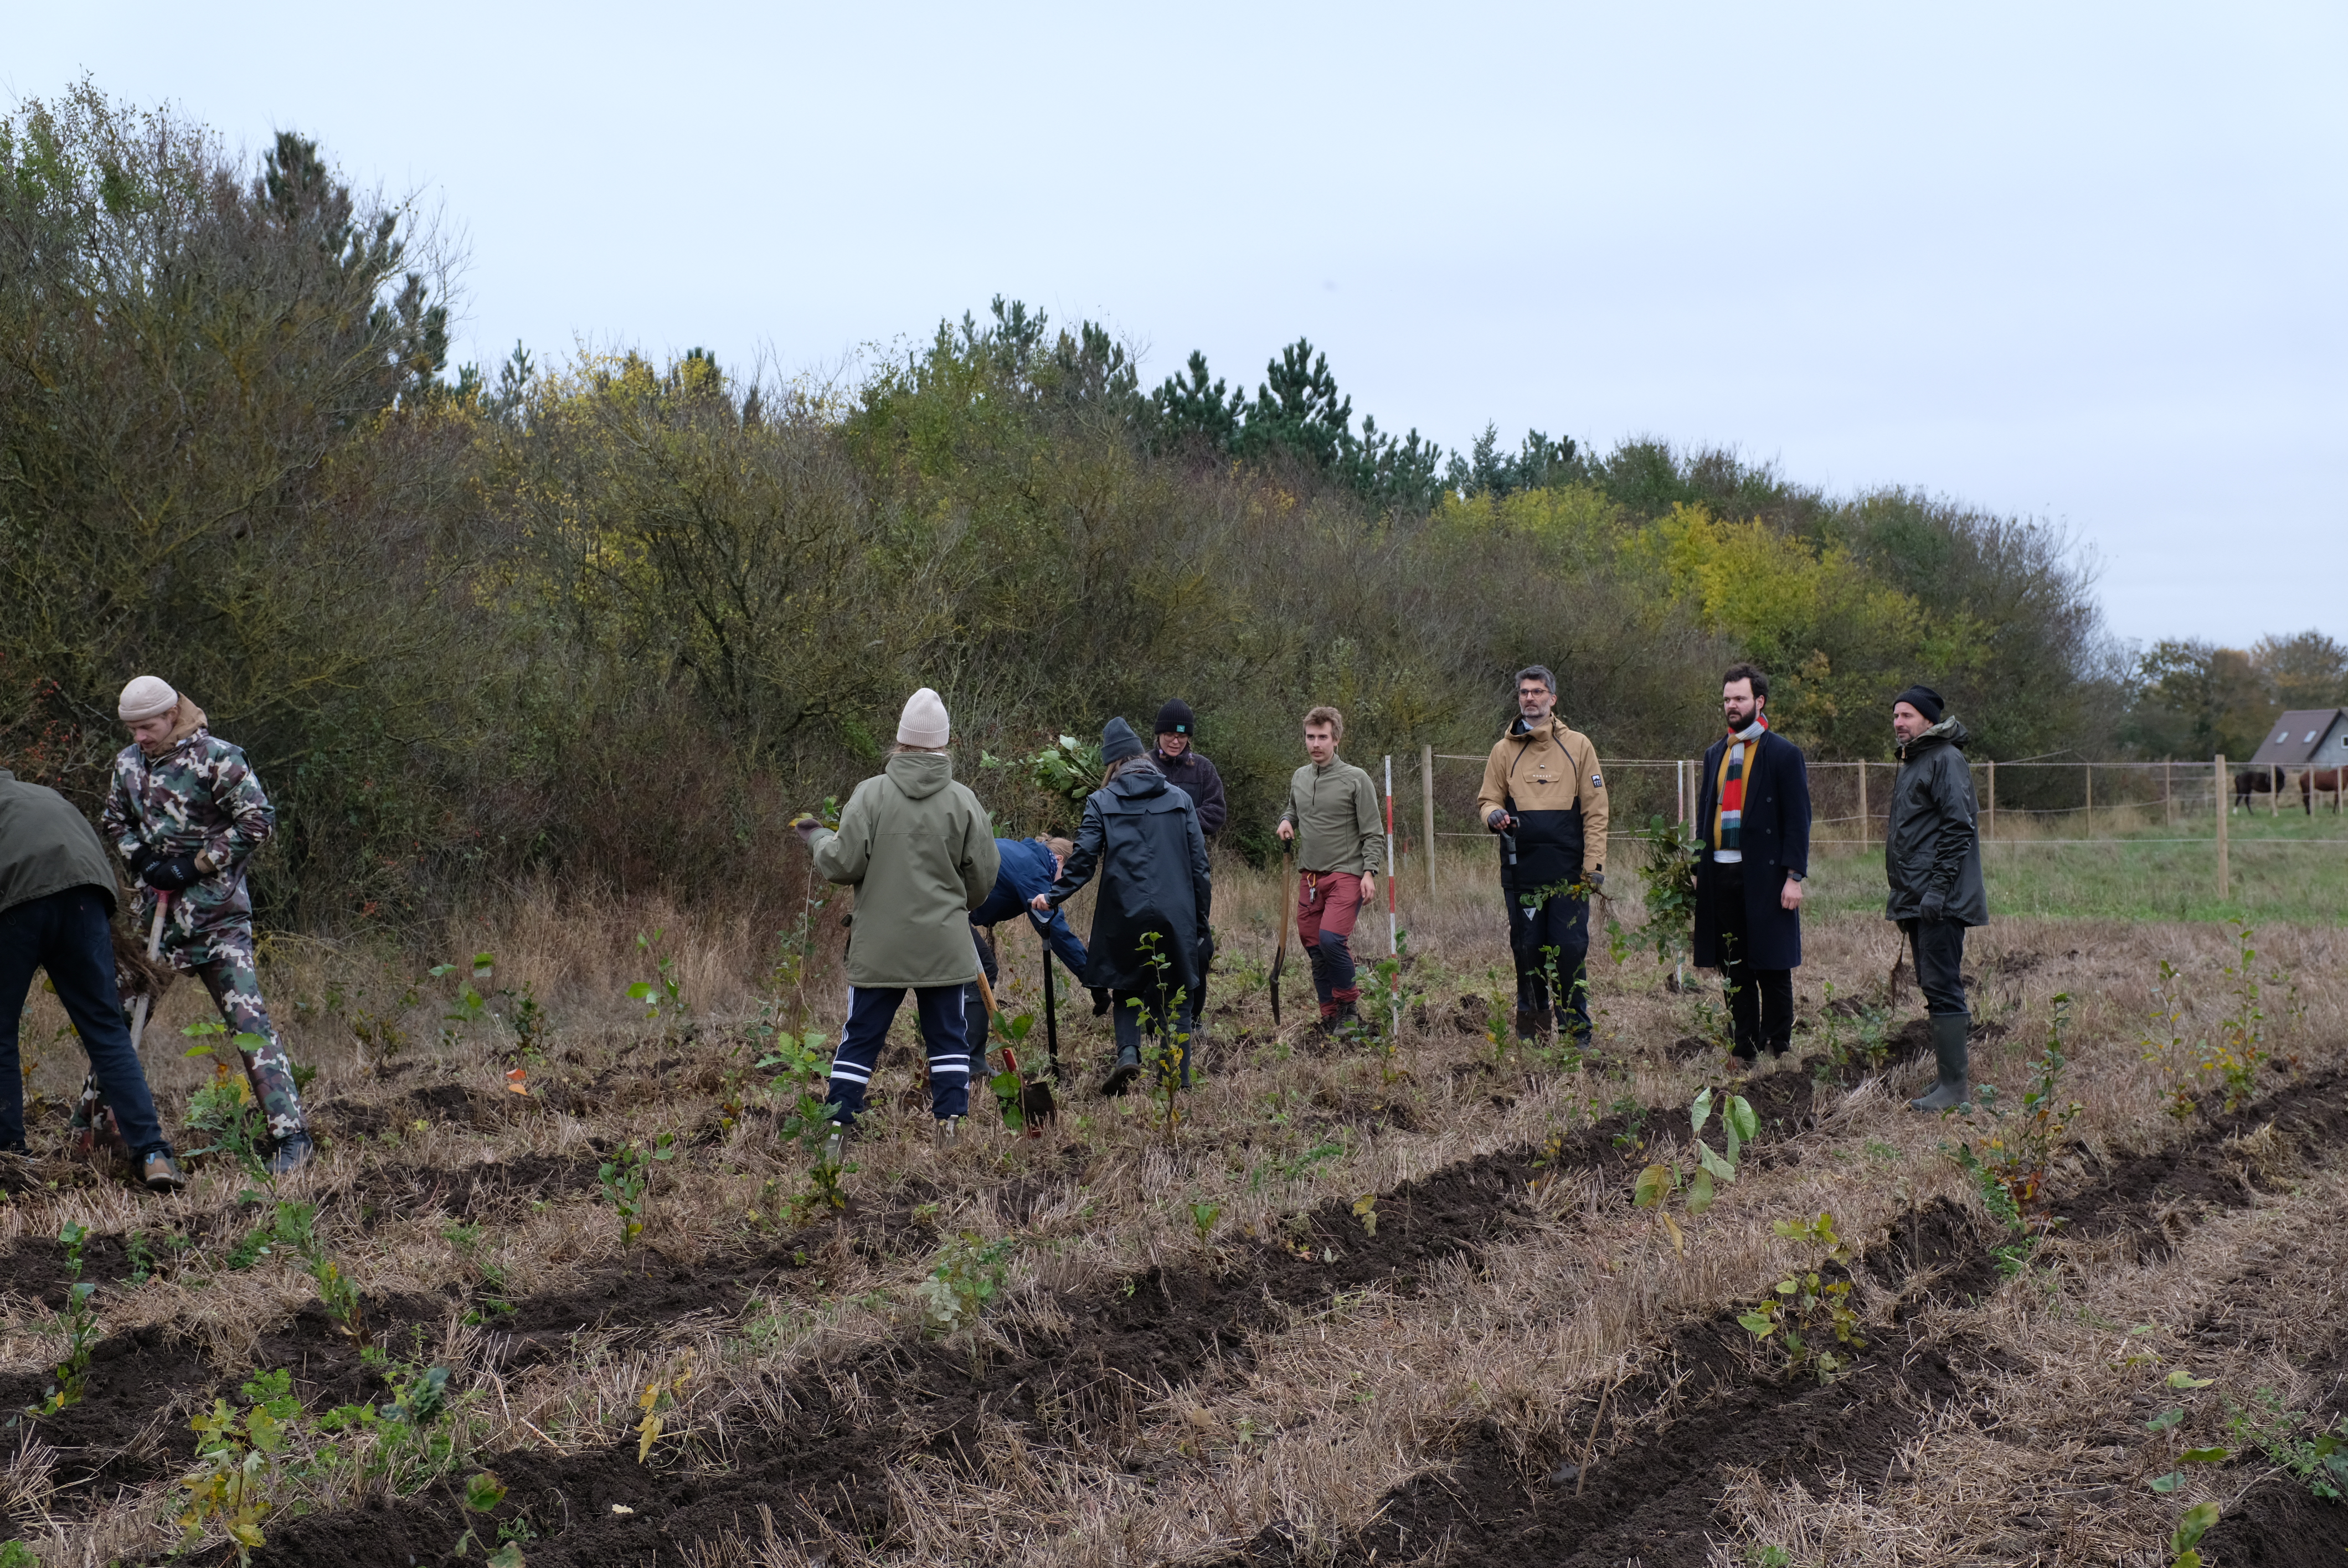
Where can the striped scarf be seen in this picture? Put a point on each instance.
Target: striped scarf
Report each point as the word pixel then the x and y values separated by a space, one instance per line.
pixel 1728 822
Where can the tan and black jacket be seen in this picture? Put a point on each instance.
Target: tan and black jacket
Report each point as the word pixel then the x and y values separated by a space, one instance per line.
pixel 1549 779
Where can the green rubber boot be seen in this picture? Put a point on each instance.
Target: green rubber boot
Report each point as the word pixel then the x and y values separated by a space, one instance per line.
pixel 1949 1047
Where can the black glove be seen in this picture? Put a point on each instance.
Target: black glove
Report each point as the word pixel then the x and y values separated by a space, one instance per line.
pixel 1100 1002
pixel 1596 880
pixel 171 873
pixel 141 858
pixel 1935 903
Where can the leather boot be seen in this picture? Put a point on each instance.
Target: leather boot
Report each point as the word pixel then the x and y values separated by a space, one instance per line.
pixel 1950 1049
pixel 1127 1069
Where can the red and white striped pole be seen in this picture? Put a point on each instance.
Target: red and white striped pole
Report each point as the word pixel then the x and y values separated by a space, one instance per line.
pixel 1394 940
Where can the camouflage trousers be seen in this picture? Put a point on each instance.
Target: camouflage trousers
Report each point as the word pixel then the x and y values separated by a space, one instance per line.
pixel 230 973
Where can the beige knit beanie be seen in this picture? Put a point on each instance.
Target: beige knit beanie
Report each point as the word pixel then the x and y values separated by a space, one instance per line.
pixel 924 723
pixel 146 698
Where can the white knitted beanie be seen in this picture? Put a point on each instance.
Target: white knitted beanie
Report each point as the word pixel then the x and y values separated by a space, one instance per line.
pixel 146 698
pixel 924 723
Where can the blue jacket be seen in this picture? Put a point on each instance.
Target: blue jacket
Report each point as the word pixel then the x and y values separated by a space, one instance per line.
pixel 1026 870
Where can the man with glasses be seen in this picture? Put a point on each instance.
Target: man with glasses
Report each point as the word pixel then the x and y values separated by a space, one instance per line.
pixel 1545 797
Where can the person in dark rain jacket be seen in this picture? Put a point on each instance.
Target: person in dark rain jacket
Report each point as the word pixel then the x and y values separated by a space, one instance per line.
pixel 1149 946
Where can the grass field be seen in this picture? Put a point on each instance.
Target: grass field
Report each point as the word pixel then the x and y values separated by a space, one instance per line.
pixel 1361 1305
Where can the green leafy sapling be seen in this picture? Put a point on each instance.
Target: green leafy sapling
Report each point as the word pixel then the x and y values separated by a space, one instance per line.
pixel 1807 1314
pixel 664 997
pixel 2185 1541
pixel 236 1465
pixel 80 1323
pixel 626 1176
pixel 1656 1184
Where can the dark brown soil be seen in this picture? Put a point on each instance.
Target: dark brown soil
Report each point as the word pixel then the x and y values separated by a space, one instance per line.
pixel 2144 1195
pixel 1652 1494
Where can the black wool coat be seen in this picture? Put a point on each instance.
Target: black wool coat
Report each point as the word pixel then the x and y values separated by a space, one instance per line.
pixel 1140 837
pixel 1775 838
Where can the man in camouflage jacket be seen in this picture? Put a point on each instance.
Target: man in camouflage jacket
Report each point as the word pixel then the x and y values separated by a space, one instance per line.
pixel 185 813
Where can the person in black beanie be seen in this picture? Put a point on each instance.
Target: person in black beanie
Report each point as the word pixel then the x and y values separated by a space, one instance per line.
pixel 1931 857
pixel 1177 758
pixel 1142 835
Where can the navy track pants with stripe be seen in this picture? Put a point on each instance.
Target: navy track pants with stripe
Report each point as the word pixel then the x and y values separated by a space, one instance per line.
pixel 871 1011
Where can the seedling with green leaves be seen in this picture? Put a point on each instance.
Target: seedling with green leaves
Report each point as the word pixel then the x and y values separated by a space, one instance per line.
pixel 237 1458
pixel 1667 856
pixel 80 1323
pixel 1010 1085
pixel 626 1176
pixel 662 995
pixel 1203 1219
pixel 2018 1149
pixel 1700 1187
pixel 482 1494
pixel 2185 1540
pixel 1806 1312
pixel 966 1279
pixel 2314 1455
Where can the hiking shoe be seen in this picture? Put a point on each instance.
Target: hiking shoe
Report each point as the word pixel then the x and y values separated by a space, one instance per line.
pixel 1524 1023
pixel 1127 1069
pixel 950 1133
pixel 159 1173
pixel 294 1151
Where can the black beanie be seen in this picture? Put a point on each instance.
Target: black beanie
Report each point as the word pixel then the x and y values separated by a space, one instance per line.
pixel 1118 741
pixel 1924 700
pixel 1174 719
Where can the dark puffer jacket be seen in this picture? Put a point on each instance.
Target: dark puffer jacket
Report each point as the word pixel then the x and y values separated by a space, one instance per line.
pixel 1141 834
pixel 1932 845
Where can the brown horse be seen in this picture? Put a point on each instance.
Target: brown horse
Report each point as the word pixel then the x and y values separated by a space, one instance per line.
pixel 2314 780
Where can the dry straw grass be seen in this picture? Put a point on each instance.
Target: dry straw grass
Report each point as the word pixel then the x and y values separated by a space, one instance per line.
pixel 1327 1413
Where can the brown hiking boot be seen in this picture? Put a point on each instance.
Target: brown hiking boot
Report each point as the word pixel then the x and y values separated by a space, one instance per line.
pixel 159 1173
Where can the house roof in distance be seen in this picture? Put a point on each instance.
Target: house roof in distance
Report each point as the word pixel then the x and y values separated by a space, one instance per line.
pixel 2305 735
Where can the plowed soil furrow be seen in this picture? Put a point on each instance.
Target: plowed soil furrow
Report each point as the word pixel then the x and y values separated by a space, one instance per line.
pixel 1132 1343
pixel 1654 1498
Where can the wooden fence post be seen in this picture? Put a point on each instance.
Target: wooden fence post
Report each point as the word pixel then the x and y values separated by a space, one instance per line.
pixel 2274 790
pixel 2168 796
pixel 2091 798
pixel 1990 826
pixel 1866 829
pixel 2224 810
pixel 1426 801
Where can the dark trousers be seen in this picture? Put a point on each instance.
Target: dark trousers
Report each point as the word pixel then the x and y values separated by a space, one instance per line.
pixel 974 1003
pixel 871 1011
pixel 1552 938
pixel 1170 1019
pixel 68 935
pixel 1760 1001
pixel 1940 949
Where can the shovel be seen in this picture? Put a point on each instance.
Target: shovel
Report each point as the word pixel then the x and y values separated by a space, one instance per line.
pixel 1035 1106
pixel 145 1000
pixel 1051 1014
pixel 1287 909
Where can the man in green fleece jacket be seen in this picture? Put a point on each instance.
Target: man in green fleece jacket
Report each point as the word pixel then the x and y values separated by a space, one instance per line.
pixel 1333 819
pixel 921 853
pixel 57 904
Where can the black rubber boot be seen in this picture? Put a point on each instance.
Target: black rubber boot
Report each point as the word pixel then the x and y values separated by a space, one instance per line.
pixel 1525 1023
pixel 1950 1049
pixel 1127 1069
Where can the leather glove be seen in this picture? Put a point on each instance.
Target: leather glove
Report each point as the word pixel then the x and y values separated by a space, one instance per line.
pixel 807 826
pixel 1100 1002
pixel 1933 905
pixel 171 873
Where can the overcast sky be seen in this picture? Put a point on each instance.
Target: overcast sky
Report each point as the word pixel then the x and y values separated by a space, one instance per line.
pixel 2079 262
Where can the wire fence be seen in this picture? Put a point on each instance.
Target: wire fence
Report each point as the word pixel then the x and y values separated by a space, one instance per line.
pixel 2032 804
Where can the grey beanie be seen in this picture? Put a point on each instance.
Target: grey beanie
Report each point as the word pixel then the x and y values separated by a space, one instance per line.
pixel 1118 741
